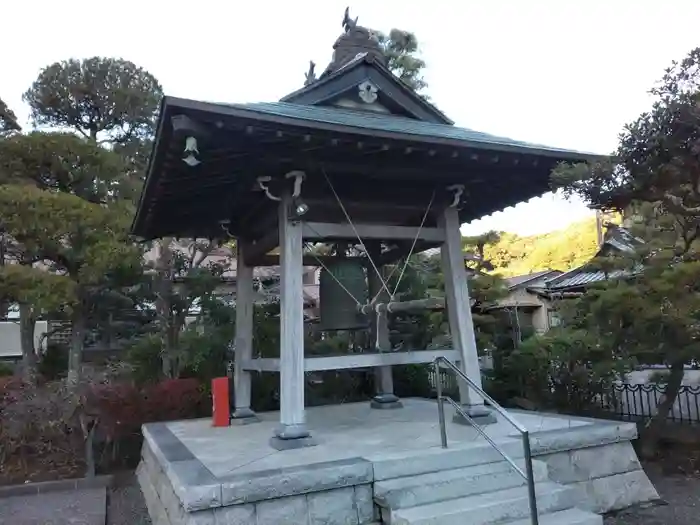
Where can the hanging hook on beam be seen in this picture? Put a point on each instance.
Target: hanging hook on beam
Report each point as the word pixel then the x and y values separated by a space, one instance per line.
pixel 458 191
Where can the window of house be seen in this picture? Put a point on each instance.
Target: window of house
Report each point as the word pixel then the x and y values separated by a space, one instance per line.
pixel 554 319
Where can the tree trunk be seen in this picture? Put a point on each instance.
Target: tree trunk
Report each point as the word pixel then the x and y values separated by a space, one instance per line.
pixel 163 304
pixel 27 322
pixel 651 434
pixel 77 342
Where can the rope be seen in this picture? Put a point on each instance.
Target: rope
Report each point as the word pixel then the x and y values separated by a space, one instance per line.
pixel 410 252
pixel 320 262
pixel 352 225
pixel 415 241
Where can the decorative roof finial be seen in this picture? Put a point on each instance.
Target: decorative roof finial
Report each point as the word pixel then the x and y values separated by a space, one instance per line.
pixel 348 23
pixel 311 73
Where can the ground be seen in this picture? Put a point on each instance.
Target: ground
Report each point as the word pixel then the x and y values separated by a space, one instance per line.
pixel 676 476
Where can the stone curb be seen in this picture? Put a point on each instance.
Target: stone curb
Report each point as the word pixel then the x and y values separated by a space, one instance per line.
pixel 55 486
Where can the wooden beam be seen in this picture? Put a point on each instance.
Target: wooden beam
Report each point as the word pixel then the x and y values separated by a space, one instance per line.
pixel 458 308
pixel 308 260
pixel 244 337
pixel 292 417
pixel 352 361
pixel 323 231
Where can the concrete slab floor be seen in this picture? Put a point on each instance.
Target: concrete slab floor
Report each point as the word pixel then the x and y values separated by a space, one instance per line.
pixel 342 432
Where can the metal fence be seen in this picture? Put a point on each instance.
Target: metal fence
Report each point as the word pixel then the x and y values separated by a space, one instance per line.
pixel 630 402
pixel 634 402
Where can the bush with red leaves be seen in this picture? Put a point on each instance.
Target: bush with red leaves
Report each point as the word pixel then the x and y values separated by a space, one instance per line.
pixel 122 408
pixel 43 427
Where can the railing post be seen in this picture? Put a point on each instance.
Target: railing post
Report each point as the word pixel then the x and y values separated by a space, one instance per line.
pixel 441 403
pixel 532 497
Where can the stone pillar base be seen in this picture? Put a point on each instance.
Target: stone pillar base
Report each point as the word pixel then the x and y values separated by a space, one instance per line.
pixel 386 401
pixel 279 443
pixel 480 414
pixel 244 416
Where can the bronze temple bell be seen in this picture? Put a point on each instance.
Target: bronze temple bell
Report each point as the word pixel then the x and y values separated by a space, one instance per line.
pixel 342 284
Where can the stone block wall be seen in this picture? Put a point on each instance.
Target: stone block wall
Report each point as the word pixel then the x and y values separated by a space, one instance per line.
pixel 350 505
pixel 600 462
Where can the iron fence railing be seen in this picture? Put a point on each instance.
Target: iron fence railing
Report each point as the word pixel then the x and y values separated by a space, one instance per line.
pixel 630 402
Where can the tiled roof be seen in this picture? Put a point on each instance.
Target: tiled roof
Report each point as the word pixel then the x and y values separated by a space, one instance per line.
pixel 517 280
pixel 404 125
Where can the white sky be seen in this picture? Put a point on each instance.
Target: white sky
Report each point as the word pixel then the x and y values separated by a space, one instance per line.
pixel 567 73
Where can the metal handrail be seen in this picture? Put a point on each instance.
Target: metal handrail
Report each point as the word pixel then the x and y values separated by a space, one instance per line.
pixel 528 475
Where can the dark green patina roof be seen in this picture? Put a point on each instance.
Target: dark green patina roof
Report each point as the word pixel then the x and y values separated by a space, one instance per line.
pixel 240 142
pixel 367 122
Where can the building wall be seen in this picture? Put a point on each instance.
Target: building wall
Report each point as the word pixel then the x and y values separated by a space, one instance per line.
pixel 10 346
pixel 537 307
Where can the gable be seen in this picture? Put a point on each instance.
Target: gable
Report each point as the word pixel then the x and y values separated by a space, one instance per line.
pixel 364 84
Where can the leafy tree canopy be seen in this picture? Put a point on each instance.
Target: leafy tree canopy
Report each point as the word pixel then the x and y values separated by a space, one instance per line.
pixel 62 162
pixel 8 119
pixel 509 254
pixel 102 98
pixel 652 310
pixel 70 235
pixel 401 49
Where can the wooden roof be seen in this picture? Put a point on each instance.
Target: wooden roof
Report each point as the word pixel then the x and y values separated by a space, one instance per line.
pixel 379 160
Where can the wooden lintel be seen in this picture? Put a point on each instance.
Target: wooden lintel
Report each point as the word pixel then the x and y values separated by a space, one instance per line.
pixel 324 231
pixel 350 361
pixel 308 260
pixel 255 250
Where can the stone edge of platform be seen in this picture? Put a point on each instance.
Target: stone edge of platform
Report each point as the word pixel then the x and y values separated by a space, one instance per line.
pixel 198 488
pixel 597 432
pixel 61 485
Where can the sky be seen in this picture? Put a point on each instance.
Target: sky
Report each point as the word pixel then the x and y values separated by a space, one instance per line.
pixel 567 74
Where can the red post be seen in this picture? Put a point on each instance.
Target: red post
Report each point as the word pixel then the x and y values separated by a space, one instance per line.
pixel 221 416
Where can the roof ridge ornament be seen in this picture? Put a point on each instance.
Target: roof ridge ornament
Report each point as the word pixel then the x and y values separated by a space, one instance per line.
pixel 348 23
pixel 310 74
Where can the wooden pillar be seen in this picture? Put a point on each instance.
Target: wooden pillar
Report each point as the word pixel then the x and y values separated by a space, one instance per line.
pixel 292 431
pixel 460 319
pixel 383 376
pixel 243 343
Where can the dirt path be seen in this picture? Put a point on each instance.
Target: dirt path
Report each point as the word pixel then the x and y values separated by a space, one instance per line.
pixel 680 492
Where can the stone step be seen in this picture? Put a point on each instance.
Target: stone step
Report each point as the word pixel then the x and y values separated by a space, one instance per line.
pixel 412 462
pixel 564 517
pixel 483 509
pixel 422 489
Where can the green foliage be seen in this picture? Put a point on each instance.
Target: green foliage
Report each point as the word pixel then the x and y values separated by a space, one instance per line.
pixel 54 362
pixel 6 370
pixel 651 311
pixel 143 354
pixel 565 369
pixel 401 49
pixel 8 119
pixel 561 250
pixel 62 162
pixel 85 241
pixel 106 98
pixel 45 292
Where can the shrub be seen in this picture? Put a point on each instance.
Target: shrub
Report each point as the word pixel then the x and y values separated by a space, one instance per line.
pixel 40 435
pixel 54 362
pixel 564 369
pixel 6 370
pixel 144 358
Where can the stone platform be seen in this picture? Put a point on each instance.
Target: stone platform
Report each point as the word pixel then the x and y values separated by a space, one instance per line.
pixel 191 473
